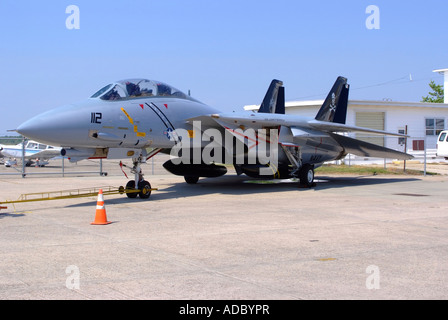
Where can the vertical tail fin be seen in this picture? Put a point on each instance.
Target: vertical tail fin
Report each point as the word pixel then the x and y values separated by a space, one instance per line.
pixel 334 108
pixel 274 100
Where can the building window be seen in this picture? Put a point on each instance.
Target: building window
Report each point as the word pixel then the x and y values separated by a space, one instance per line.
pixel 434 126
pixel 401 141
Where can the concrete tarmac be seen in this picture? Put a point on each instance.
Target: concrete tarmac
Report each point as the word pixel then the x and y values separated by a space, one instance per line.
pixel 350 237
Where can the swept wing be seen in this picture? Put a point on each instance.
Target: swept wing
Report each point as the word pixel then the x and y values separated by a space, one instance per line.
pixel 297 130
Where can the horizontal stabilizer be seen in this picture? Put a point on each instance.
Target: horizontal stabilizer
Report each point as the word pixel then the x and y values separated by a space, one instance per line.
pixel 365 149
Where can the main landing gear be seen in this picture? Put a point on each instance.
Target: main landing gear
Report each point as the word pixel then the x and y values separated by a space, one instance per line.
pixel 306 175
pixel 305 172
pixel 191 179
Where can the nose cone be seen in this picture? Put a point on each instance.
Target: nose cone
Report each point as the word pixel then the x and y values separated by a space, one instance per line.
pixel 56 127
pixel 36 129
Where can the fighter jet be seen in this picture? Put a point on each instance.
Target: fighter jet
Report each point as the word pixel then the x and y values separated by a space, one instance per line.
pixel 138 118
pixel 33 150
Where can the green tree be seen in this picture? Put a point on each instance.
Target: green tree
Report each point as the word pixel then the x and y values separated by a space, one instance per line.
pixel 436 96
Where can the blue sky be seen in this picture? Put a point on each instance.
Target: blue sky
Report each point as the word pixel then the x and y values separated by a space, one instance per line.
pixel 225 52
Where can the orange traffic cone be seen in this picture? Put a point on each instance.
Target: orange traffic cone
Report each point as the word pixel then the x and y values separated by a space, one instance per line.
pixel 100 216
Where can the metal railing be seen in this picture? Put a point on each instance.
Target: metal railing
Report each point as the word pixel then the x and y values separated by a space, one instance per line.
pixel 23 165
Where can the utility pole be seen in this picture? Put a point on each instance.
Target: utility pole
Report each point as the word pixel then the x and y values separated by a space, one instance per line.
pixel 445 82
pixel 405 146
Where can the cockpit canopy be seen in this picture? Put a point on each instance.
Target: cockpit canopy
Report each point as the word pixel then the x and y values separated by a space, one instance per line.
pixel 138 88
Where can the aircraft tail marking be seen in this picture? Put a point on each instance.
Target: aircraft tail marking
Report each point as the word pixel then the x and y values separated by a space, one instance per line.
pixel 334 108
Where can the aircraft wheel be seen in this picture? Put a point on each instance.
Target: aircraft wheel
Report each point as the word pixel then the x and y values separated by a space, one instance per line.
pixel 145 189
pixel 306 175
pixel 131 185
pixel 191 179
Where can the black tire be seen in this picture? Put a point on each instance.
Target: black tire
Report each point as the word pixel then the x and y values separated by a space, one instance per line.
pixel 131 185
pixel 191 179
pixel 306 175
pixel 145 189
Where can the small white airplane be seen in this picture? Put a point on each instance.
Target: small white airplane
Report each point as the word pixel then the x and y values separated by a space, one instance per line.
pixel 34 150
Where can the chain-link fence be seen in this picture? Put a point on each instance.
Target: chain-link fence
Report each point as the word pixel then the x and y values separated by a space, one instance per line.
pixel 16 160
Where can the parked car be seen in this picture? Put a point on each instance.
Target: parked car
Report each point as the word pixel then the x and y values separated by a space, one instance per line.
pixel 442 144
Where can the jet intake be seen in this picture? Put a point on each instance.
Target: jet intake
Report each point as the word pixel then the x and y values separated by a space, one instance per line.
pixel 198 170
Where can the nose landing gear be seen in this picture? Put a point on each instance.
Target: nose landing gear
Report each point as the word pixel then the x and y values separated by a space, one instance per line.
pixel 138 186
